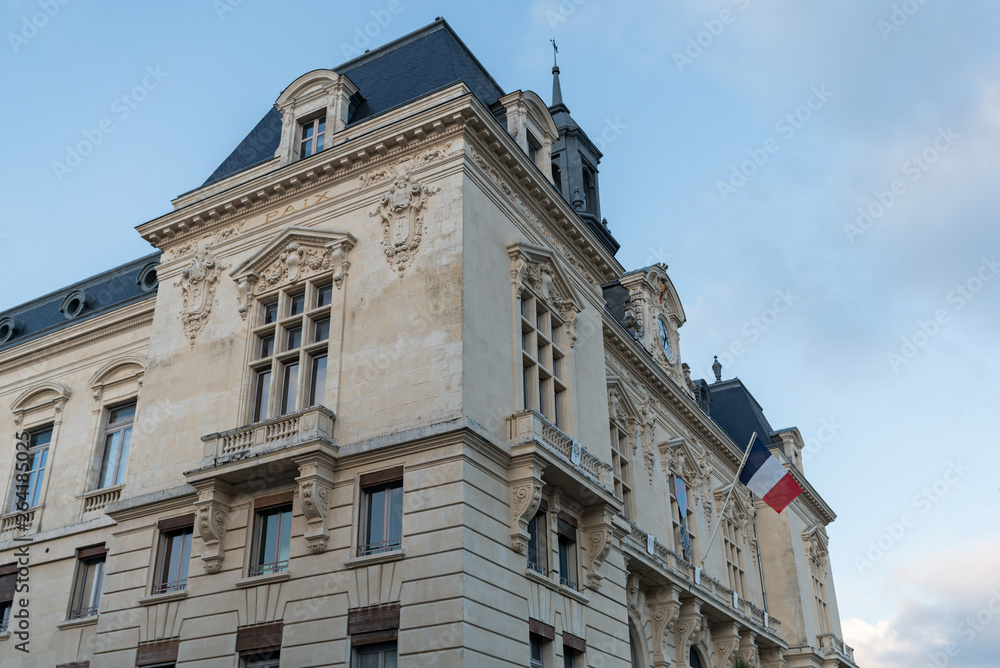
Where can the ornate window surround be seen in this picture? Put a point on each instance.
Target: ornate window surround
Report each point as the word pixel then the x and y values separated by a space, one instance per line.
pixel 817 549
pixel 537 273
pixel 298 260
pixel 624 419
pixel 528 114
pixel 116 382
pixel 320 92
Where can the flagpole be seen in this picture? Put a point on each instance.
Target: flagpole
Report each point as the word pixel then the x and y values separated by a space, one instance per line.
pixel 732 488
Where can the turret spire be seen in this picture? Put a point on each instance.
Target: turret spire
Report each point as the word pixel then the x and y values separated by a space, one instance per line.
pixel 557 101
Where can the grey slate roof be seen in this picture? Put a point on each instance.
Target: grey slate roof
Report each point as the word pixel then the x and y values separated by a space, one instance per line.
pixel 403 70
pixel 735 410
pixel 109 290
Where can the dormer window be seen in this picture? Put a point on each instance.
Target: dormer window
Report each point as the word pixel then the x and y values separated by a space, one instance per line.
pixel 534 146
pixel 311 141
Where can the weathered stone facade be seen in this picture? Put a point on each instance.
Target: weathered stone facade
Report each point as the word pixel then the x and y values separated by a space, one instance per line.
pixel 430 228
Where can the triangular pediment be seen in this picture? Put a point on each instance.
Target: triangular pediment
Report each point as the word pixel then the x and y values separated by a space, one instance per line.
pixel 621 407
pixel 294 254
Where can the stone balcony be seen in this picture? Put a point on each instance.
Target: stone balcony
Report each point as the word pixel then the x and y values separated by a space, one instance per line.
pixel 531 426
pixel 238 454
pixel 713 594
pixel 834 647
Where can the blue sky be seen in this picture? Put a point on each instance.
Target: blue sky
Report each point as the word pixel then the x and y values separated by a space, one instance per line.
pixel 742 142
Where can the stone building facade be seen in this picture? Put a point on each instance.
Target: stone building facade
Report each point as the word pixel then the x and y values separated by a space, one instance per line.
pixel 384 396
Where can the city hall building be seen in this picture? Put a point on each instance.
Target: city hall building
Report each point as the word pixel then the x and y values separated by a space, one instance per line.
pixel 383 396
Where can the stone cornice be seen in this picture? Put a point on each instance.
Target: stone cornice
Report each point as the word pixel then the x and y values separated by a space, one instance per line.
pixel 94 329
pixel 337 163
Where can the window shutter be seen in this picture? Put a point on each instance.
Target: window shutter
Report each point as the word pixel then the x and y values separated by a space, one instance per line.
pixel 281 499
pixel 574 642
pixel 8 581
pixel 382 477
pixel 174 523
pixel 161 651
pixel 542 629
pixel 377 623
pixel 565 529
pixel 90 552
pixel 259 638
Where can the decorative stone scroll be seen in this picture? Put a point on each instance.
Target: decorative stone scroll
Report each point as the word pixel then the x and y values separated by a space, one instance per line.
pixel 725 642
pixel 212 515
pixel 401 210
pixel 664 610
pixel 599 535
pixel 748 650
pixel 686 630
pixel 525 497
pixel 315 486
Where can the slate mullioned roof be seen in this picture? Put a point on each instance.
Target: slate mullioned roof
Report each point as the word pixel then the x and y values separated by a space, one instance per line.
pixel 109 290
pixel 403 70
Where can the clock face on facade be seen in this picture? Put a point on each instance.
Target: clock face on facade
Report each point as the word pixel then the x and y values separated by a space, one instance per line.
pixel 661 328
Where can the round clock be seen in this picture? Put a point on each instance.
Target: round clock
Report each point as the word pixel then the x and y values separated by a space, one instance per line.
pixel 661 328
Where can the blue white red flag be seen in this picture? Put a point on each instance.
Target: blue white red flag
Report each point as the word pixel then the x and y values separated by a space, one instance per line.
pixel 764 475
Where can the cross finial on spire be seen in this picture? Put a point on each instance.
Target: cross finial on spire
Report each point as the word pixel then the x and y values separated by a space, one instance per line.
pixel 555 50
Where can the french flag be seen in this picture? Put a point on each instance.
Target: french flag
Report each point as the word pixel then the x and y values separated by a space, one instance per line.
pixel 764 475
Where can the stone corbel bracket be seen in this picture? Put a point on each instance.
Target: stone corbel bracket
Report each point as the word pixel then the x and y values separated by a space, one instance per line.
pixel 212 509
pixel 525 482
pixel 664 610
pixel 772 657
pixel 748 650
pixel 687 628
pixel 598 530
pixel 316 471
pixel 725 642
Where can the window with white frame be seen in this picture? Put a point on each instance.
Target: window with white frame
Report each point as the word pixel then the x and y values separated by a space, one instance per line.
pixel 621 457
pixel 29 469
pixel 86 594
pixel 117 441
pixel 381 526
pixel 736 576
pixel 272 538
pixel 290 351
pixel 311 136
pixel 544 363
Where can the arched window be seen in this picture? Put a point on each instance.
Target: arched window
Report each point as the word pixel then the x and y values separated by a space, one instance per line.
pixel 635 648
pixel 693 659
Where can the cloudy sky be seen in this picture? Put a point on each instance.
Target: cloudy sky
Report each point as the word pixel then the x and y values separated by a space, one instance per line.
pixel 843 158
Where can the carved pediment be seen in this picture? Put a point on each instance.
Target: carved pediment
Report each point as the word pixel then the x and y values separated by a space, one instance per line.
pixel 51 395
pixel 542 272
pixel 817 544
pixel 296 253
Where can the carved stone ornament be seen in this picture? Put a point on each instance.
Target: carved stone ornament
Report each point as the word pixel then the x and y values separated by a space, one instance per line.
pixel 197 283
pixel 294 254
pixel 816 543
pixel 647 427
pixel 315 486
pixel 212 515
pixel 664 611
pixel 686 630
pixel 748 650
pixel 536 269
pixel 401 210
pixel 410 163
pixel 525 497
pixel 725 642
pixel 599 535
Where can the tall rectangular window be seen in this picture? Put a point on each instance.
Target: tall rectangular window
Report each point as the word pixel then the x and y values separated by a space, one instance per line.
pixel 621 456
pixel 536 651
pixel 818 577
pixel 538 543
pixel 86 593
pixel 317 380
pixel 273 534
pixel 381 511
pixel 683 519
pixel 382 655
pixel 290 346
pixel 175 555
pixel 544 362
pixel 117 440
pixel 8 583
pixel 566 528
pixel 311 142
pixel 735 574
pixel 31 473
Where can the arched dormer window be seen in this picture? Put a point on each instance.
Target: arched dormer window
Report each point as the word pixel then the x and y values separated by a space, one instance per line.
pixel 313 109
pixel 530 124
